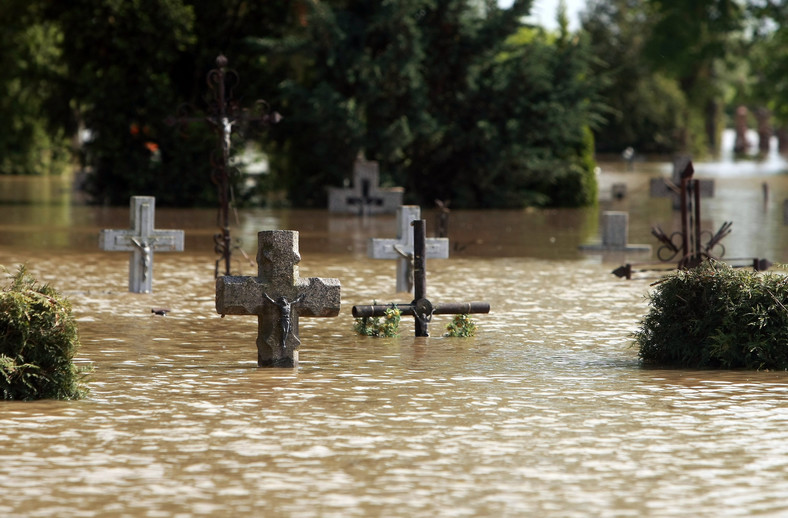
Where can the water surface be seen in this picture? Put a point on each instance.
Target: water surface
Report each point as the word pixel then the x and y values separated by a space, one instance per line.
pixel 546 412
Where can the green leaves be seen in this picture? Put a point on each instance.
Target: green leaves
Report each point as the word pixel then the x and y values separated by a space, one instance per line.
pixel 461 326
pixel 715 316
pixel 38 340
pixel 387 326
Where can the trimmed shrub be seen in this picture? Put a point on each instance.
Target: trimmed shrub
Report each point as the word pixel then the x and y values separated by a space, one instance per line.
pixel 715 316
pixel 38 341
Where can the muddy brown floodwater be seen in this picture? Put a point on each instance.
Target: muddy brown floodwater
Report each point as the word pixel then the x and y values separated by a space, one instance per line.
pixel 546 412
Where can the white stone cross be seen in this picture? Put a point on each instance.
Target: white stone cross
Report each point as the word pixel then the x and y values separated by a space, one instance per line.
pixel 402 247
pixel 278 296
pixel 141 240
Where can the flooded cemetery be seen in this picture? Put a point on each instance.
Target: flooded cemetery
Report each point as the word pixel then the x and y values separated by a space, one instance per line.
pixel 546 411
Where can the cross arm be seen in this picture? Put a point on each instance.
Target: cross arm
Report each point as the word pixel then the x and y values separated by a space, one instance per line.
pixel 159 241
pixel 449 308
pixel 320 297
pixel 381 248
pixel 236 295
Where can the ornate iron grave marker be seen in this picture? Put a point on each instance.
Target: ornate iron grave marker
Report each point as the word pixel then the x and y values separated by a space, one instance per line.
pixel 278 297
pixel 421 308
pixel 141 240
pixel 224 113
pixel 662 188
pixel 688 244
pixel 366 196
pixel 401 248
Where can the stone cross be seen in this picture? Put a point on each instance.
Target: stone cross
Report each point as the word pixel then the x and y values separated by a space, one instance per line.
pixel 141 240
pixel 401 248
pixel 278 296
pixel 421 308
pixel 366 196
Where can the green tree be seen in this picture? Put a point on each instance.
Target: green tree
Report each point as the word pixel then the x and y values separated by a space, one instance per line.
pixel 131 64
pixel 31 62
pixel 644 108
pixel 437 93
pixel 690 41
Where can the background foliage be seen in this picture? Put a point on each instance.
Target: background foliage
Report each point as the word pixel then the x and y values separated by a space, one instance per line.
pixel 457 100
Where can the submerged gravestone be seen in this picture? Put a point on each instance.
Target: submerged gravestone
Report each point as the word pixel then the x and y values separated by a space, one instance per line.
pixel 401 248
pixel 365 196
pixel 142 240
pixel 615 234
pixel 278 296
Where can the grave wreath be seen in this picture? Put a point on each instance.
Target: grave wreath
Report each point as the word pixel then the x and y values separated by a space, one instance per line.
pixel 38 341
pixel 716 316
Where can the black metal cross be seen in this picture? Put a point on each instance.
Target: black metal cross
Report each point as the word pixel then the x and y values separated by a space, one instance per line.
pixel 692 251
pixel 421 308
pixel 223 113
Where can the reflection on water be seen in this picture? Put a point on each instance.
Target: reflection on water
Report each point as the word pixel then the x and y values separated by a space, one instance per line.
pixel 544 413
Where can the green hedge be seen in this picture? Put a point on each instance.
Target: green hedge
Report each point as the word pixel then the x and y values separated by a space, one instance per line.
pixel 715 316
pixel 38 341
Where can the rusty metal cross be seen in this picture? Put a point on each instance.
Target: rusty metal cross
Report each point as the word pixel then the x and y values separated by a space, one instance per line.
pixel 223 114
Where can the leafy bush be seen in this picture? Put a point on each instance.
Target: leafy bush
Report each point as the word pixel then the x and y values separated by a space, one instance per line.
pixel 38 340
pixel 461 326
pixel 374 326
pixel 715 316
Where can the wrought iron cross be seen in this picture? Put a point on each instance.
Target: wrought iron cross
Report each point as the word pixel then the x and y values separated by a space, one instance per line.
pixel 224 113
pixel 421 308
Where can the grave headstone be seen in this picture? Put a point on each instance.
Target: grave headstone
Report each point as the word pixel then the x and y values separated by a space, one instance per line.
pixel 615 233
pixel 401 248
pixel 421 308
pixel 278 296
pixel 142 240
pixel 365 196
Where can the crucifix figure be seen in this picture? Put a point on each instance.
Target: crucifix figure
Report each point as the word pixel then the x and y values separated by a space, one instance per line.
pixel 141 240
pixel 224 113
pixel 402 247
pixel 285 311
pixel 278 296
pixel 421 308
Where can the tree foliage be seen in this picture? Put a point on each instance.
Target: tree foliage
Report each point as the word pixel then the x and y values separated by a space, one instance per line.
pixel 31 142
pixel 455 98
pixel 447 99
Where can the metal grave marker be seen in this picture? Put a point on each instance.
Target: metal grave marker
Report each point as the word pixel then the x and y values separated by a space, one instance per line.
pixel 401 248
pixel 691 245
pixel 278 296
pixel 421 308
pixel 142 240
pixel 224 113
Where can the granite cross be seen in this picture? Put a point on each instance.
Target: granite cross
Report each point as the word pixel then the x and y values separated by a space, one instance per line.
pixel 401 248
pixel 278 296
pixel 421 308
pixel 141 240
